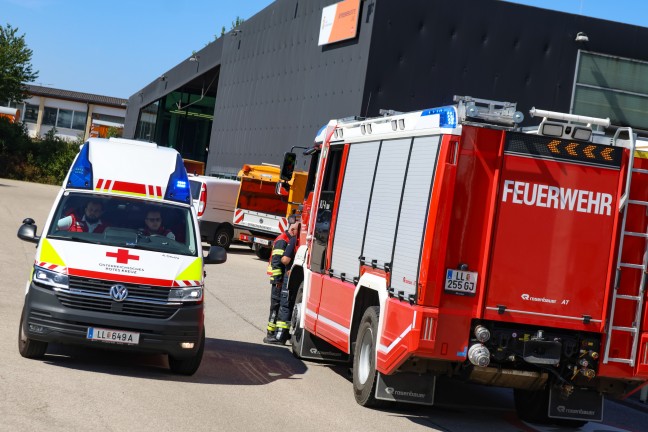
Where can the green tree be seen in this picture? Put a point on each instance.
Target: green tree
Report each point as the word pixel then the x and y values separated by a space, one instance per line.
pixel 237 22
pixel 15 65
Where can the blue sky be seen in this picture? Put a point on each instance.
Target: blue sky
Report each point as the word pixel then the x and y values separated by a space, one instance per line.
pixel 114 48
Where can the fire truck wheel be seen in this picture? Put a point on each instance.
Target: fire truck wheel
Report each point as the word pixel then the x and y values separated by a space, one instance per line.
pixel 364 359
pixel 223 237
pixel 532 406
pixel 296 329
pixel 188 365
pixel 29 348
pixel 262 253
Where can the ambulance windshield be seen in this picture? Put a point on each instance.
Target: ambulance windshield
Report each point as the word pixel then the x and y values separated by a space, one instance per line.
pixel 125 222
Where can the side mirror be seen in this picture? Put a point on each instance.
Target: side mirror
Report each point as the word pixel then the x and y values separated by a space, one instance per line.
pixel 282 188
pixel 27 231
pixel 288 166
pixel 216 255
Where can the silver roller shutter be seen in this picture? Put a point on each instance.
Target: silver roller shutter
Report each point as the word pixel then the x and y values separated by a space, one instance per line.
pixel 385 200
pixel 411 224
pixel 352 210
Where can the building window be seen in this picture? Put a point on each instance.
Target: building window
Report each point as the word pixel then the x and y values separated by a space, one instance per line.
pixel 79 120
pixel 64 119
pixel 31 113
pixel 614 87
pixel 49 116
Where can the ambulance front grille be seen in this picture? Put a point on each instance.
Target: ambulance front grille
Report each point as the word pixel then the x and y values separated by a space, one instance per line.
pixel 94 295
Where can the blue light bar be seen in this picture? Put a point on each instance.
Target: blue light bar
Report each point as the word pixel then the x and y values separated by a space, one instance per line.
pixel 81 172
pixel 447 115
pixel 178 187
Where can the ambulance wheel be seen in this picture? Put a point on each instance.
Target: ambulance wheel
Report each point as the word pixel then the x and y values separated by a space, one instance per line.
pixel 188 365
pixel 29 348
pixel 262 253
pixel 364 359
pixel 223 237
pixel 296 329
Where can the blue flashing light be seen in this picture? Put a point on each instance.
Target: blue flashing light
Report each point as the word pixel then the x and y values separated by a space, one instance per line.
pixel 447 115
pixel 320 137
pixel 81 172
pixel 178 187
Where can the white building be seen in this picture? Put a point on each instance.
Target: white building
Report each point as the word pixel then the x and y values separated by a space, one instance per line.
pixel 73 114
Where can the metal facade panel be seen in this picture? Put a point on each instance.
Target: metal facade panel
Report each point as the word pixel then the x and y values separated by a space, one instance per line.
pixel 414 210
pixel 352 210
pixel 278 87
pixel 385 201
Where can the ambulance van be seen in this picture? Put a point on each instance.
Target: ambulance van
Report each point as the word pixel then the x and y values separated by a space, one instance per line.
pixel 119 263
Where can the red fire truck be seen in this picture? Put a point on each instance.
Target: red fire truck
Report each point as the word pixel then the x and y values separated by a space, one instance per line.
pixel 453 242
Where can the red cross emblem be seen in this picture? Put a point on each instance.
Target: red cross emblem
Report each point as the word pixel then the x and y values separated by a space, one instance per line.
pixel 122 256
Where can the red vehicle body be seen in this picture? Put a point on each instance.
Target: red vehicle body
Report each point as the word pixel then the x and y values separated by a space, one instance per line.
pixel 451 242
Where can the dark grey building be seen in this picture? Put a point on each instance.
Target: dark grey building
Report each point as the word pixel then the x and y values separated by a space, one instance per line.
pixel 266 86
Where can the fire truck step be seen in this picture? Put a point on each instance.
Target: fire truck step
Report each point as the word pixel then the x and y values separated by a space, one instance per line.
pixel 634 266
pixel 629 297
pixel 625 329
pixel 621 360
pixel 635 234
pixel 637 202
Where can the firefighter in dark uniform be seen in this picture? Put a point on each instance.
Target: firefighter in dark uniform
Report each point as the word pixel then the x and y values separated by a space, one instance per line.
pixel 282 250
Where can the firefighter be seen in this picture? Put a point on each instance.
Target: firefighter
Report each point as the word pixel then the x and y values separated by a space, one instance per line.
pixel 282 245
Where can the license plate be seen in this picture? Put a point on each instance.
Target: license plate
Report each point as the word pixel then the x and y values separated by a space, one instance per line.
pixel 262 241
pixel 461 282
pixel 112 336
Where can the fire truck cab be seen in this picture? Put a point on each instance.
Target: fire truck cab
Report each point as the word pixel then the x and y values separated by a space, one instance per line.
pixel 452 241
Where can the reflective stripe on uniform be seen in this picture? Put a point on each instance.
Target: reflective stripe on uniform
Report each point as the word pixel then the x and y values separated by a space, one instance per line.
pixel 283 324
pixel 278 251
pixel 271 327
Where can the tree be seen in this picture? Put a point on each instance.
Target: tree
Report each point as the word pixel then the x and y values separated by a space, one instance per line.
pixel 15 65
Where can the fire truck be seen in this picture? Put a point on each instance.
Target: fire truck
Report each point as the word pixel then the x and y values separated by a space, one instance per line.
pixel 262 208
pixel 453 242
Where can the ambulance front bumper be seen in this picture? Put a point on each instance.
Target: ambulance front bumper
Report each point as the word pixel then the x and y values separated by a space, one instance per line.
pixel 48 319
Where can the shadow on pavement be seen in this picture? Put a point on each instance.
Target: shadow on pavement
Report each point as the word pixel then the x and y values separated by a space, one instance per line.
pixel 224 362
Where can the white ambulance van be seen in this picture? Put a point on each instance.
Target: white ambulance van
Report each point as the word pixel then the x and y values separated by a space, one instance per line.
pixel 119 263
pixel 214 199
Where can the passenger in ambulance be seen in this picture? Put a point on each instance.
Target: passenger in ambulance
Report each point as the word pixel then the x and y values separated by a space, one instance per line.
pixel 153 225
pixel 89 222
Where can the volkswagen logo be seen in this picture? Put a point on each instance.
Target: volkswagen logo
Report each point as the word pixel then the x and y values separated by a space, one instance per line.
pixel 261 221
pixel 118 292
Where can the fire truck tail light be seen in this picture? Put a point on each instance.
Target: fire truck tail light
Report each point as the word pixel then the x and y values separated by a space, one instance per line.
pixel 202 203
pixel 482 333
pixel 479 355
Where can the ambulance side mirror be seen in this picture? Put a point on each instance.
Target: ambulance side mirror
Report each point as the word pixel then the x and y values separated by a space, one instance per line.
pixel 27 231
pixel 288 166
pixel 216 255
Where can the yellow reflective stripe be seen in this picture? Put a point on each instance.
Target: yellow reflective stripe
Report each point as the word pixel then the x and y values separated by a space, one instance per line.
pixel 283 324
pixel 49 255
pixel 271 327
pixel 278 251
pixel 276 272
pixel 192 272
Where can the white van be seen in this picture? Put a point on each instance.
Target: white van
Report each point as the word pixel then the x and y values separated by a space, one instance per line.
pixel 119 263
pixel 214 200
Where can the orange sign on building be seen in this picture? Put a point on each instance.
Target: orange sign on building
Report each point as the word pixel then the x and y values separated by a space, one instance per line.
pixel 339 22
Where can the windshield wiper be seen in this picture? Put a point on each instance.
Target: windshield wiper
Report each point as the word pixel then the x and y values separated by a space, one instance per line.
pixel 74 238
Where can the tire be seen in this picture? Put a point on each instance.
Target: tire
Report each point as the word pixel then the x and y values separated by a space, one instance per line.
pixel 262 253
pixel 188 365
pixel 296 329
pixel 532 406
pixel 29 348
pixel 364 359
pixel 223 237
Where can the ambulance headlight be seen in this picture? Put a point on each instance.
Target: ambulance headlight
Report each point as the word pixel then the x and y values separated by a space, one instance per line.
pixel 190 294
pixel 49 278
